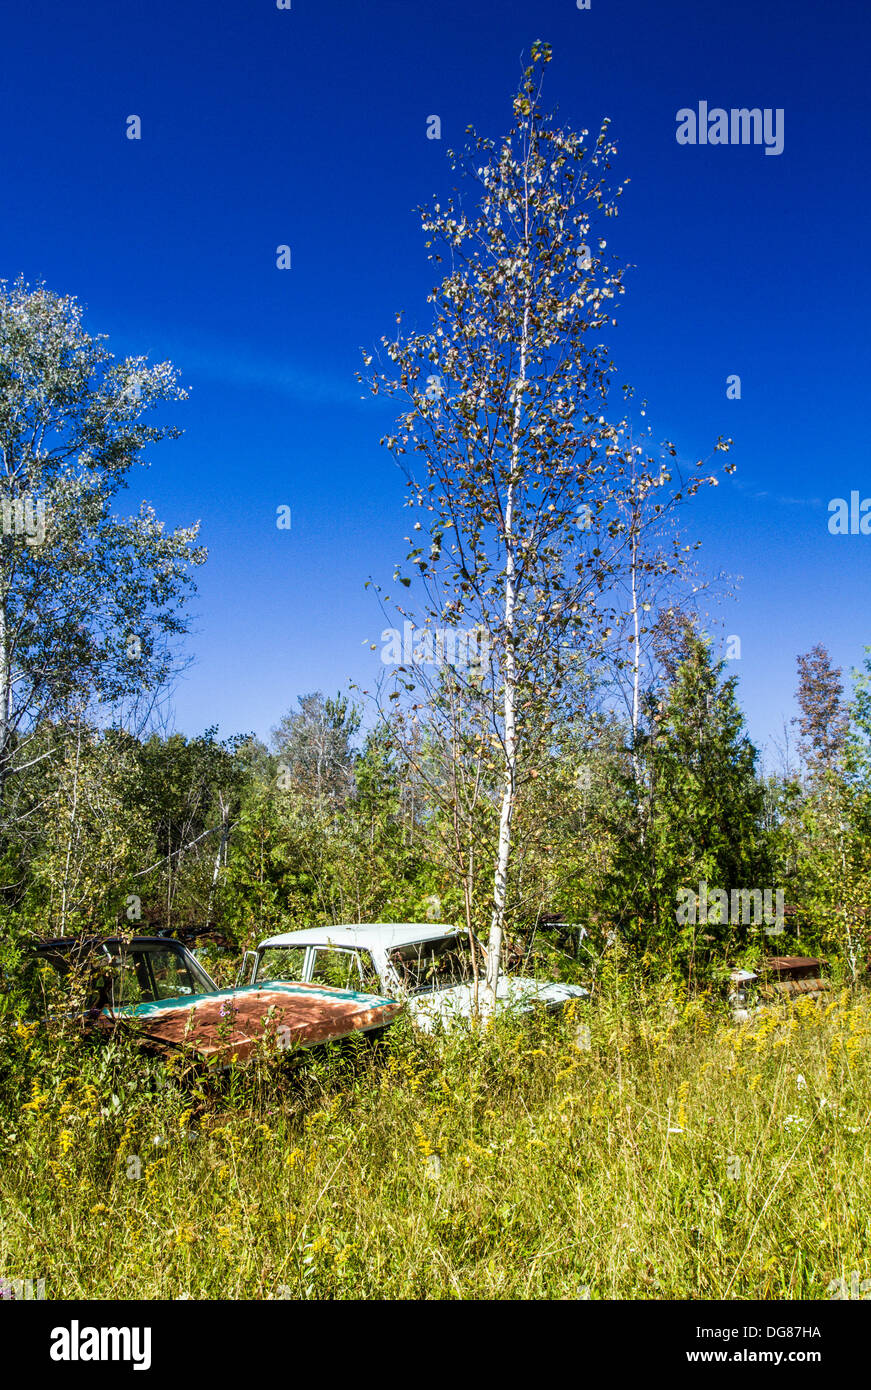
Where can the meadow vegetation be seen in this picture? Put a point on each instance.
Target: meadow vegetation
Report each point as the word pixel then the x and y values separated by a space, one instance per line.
pixel 641 1146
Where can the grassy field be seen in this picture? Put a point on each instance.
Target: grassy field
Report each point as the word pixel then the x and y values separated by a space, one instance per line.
pixel 633 1149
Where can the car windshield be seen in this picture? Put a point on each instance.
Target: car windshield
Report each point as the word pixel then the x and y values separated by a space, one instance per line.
pixel 423 966
pixel 124 973
pixel 145 973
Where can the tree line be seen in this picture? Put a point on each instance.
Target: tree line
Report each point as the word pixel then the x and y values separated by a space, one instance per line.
pixel 109 832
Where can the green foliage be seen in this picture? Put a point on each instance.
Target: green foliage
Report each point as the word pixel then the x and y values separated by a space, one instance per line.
pixel 91 603
pixel 695 815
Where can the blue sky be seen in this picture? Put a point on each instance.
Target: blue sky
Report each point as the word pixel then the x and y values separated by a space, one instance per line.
pixel 308 127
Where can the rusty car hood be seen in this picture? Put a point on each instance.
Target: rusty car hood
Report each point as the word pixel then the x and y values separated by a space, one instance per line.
pixel 232 1023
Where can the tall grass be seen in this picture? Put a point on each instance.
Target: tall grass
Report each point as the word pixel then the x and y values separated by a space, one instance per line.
pixel 638 1148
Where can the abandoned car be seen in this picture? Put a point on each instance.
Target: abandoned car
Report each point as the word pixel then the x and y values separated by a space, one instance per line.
pixel 157 983
pixel 777 979
pixel 426 964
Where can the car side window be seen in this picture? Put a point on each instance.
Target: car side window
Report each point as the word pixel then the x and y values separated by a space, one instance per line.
pixel 172 978
pixel 335 967
pixel 127 985
pixel 368 974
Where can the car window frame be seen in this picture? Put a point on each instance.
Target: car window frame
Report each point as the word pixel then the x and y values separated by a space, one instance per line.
pixel 343 950
pixel 260 953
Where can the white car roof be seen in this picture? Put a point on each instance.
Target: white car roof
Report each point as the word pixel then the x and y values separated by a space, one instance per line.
pixel 384 935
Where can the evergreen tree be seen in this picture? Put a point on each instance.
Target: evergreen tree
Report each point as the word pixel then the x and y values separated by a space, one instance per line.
pixel 704 812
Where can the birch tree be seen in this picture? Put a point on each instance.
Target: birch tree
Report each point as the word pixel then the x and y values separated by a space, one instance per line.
pixel 658 580
pixel 514 457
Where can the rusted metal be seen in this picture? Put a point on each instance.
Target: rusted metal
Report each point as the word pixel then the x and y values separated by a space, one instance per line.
pixel 810 985
pixel 216 1025
pixel 789 977
pixel 777 979
pixel 795 967
pixel 233 1024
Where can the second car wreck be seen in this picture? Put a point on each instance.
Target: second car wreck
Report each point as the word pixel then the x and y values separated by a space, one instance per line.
pixel 429 965
pixel 157 984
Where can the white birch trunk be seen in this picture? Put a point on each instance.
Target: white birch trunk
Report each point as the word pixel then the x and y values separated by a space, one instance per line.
pixel 509 789
pixel 222 849
pixel 636 660
pixel 72 830
pixel 5 703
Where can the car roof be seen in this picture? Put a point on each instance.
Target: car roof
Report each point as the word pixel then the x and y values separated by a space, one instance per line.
pixel 93 943
pixel 385 935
